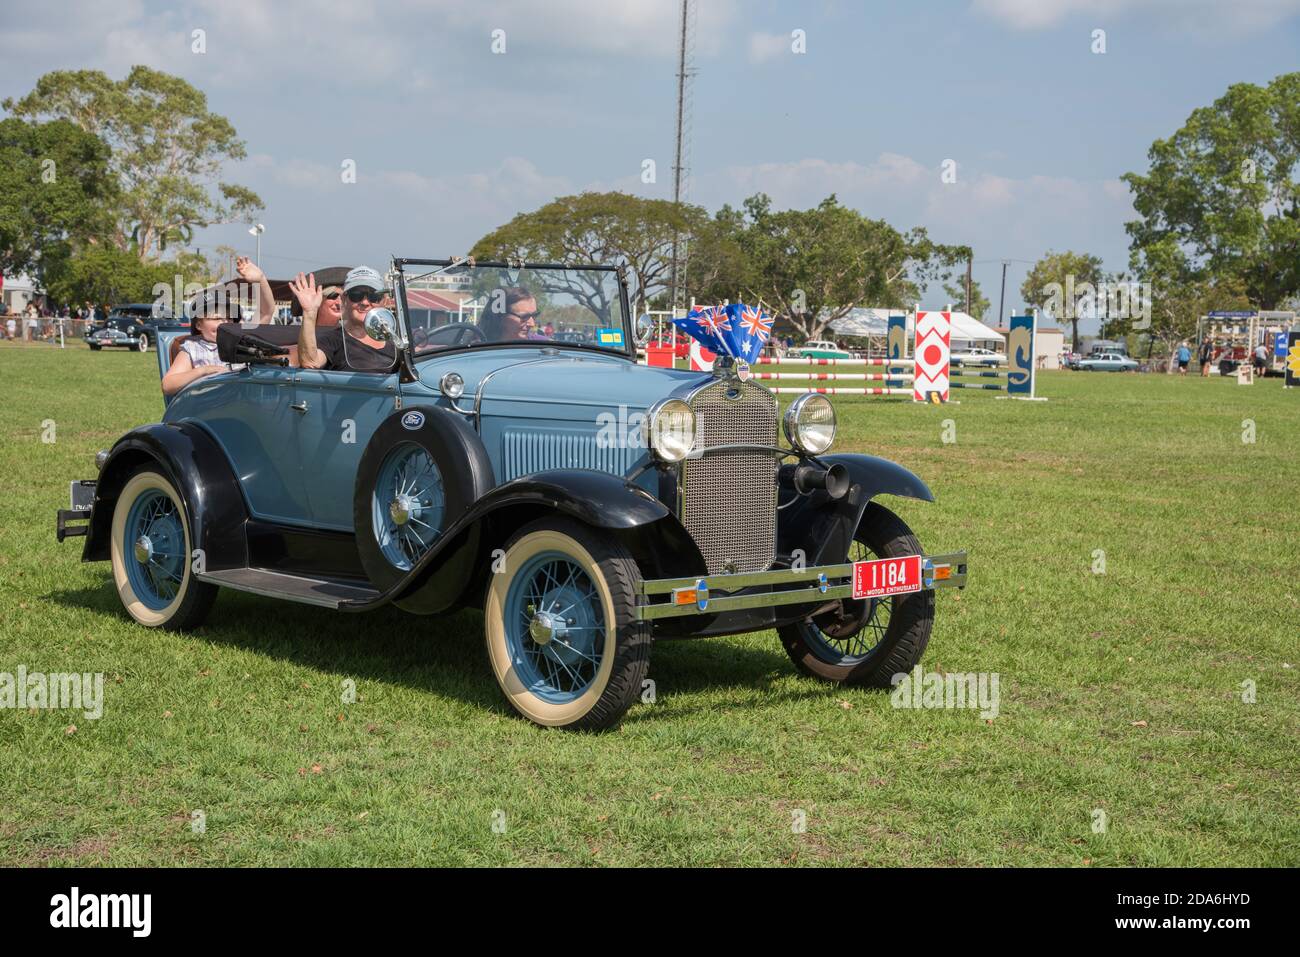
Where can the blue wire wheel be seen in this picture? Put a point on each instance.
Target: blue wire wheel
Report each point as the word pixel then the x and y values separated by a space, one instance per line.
pixel 857 647
pixel 852 649
pixel 154 549
pixel 409 505
pixel 555 628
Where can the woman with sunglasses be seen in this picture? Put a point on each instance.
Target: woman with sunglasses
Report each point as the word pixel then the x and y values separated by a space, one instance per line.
pixel 330 313
pixel 517 318
pixel 345 346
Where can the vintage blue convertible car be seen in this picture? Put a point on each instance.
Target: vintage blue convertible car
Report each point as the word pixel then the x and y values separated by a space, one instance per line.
pixel 589 505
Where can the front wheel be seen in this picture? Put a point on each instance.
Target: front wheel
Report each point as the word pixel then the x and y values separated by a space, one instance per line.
pixel 867 641
pixel 150 552
pixel 560 626
pixel 142 344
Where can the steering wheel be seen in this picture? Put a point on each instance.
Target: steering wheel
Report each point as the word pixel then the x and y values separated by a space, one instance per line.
pixel 455 334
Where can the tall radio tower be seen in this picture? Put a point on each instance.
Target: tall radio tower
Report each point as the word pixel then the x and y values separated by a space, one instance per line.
pixel 681 165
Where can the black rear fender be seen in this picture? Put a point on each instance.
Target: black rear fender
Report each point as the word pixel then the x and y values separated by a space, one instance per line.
pixel 198 468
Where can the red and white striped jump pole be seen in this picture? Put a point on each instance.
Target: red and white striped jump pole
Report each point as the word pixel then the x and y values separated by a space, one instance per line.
pixel 771 361
pixel 836 376
pixel 835 391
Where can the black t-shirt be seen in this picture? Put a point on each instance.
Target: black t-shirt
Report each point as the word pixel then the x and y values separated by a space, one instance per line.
pixel 355 356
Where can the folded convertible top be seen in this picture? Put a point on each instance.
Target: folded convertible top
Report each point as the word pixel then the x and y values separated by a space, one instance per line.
pixel 236 343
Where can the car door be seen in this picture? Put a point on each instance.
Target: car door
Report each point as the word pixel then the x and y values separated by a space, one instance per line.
pixel 248 413
pixel 336 414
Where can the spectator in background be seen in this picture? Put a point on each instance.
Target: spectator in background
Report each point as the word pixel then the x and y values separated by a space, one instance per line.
pixel 1261 359
pixel 1184 357
pixel 1207 352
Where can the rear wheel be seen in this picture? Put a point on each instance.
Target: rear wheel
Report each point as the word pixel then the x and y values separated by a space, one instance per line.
pixel 150 553
pixel 867 641
pixel 94 347
pixel 560 627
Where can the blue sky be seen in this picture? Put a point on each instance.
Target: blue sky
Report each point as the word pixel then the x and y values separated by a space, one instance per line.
pixel 450 139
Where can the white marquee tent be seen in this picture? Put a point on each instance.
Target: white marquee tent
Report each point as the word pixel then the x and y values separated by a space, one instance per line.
pixel 873 323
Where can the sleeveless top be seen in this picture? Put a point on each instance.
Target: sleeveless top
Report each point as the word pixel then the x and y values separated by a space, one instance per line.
pixel 201 352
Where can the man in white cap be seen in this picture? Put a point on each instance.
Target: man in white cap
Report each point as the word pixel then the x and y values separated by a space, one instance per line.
pixel 345 346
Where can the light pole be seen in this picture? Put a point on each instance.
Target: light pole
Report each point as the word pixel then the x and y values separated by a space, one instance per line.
pixel 257 230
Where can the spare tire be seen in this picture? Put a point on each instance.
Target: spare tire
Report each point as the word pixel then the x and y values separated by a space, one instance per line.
pixel 420 472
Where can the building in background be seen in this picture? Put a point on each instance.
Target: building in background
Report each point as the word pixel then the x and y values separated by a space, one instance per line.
pixel 17 291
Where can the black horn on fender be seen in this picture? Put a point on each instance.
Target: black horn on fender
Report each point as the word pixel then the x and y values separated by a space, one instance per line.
pixel 807 477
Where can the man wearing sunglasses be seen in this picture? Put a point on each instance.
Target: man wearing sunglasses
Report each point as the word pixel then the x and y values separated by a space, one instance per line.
pixel 345 346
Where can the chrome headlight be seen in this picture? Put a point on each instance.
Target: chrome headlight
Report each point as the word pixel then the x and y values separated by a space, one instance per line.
pixel 810 423
pixel 670 425
pixel 452 385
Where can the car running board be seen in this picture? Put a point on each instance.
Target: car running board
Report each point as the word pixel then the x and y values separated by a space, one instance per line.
pixel 325 592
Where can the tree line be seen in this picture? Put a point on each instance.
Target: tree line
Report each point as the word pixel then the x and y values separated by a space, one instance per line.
pixel 104 183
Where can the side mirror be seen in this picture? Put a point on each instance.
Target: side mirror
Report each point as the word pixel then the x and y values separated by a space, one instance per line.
pixel 381 324
pixel 645 327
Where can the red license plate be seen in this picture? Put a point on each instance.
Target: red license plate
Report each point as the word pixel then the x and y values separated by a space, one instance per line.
pixel 887 576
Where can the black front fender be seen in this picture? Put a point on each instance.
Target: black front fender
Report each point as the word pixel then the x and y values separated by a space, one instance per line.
pixel 196 466
pixel 822 528
pixel 599 499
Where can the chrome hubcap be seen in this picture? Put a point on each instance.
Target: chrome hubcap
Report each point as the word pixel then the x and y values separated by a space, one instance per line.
pixel 403 508
pixel 544 627
pixel 143 549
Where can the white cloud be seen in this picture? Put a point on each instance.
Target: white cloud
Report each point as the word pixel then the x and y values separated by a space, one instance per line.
pixel 767 46
pixel 492 195
pixel 1237 16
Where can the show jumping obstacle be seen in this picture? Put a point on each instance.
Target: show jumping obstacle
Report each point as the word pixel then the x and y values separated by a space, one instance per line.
pixel 893 377
pixel 927 376
pixel 933 371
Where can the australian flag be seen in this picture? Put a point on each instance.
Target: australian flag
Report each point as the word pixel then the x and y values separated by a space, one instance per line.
pixel 736 330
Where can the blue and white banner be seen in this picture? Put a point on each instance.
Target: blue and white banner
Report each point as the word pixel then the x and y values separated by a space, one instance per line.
pixel 1020 355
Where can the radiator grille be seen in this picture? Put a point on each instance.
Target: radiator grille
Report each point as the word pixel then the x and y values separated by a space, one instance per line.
pixel 728 499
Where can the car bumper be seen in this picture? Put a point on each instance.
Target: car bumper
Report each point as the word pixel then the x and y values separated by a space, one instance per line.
pixel 678 597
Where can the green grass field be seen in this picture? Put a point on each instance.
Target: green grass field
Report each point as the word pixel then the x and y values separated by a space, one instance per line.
pixel 1120 692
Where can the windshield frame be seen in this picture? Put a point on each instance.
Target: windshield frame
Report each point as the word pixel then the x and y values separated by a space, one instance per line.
pixel 629 343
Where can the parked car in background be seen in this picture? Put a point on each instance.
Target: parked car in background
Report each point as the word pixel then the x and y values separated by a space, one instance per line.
pixel 1110 346
pixel 979 357
pixel 135 326
pixel 820 349
pixel 1106 362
